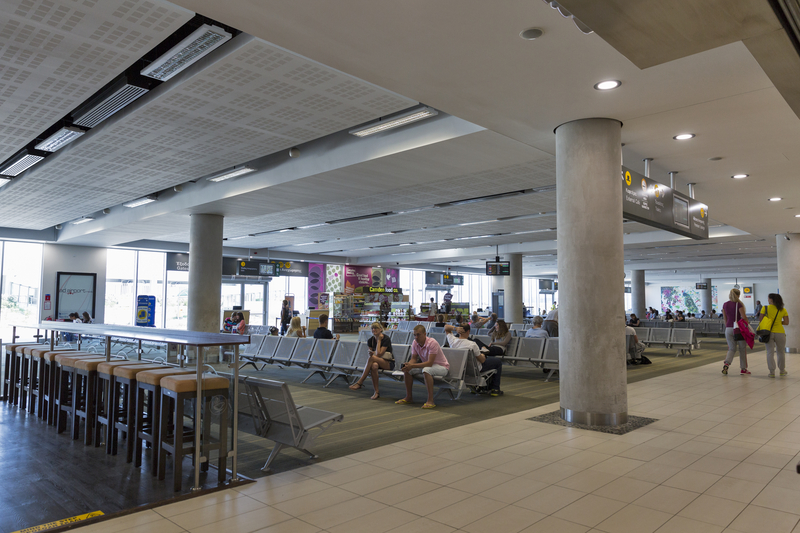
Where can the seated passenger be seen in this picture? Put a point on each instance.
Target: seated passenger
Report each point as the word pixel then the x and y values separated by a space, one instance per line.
pixel 322 331
pixel 636 358
pixel 427 358
pixel 296 329
pixel 380 358
pixel 239 326
pixel 536 329
pixel 500 339
pixel 634 321
pixel 477 322
pixel 714 314
pixel 489 324
pixel 484 362
pixel 440 321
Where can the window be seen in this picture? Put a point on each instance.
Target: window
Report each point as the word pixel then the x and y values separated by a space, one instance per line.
pixel 177 311
pixel 120 292
pixel 150 280
pixel 20 289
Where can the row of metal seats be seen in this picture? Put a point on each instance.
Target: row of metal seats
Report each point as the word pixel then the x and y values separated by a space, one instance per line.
pixel 683 339
pixel 704 326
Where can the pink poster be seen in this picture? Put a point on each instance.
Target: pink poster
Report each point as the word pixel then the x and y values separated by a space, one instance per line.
pixel 392 278
pixel 356 276
pixel 316 283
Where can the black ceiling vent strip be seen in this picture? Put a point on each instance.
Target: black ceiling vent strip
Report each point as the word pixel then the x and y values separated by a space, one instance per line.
pixel 109 101
pixel 362 217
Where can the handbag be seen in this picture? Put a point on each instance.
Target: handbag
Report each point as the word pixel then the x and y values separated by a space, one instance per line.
pixel 737 332
pixel 764 334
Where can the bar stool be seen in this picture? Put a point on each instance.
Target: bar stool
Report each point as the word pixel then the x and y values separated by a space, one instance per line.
pixel 148 408
pixel 36 386
pixel 174 390
pixel 83 394
pixel 125 381
pixel 11 372
pixel 71 390
pixel 107 405
pixel 50 386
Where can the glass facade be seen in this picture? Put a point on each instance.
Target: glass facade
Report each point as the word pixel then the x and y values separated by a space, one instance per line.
pixel 21 285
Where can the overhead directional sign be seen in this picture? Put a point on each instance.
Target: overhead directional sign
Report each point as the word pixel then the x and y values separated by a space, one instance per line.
pixel 649 202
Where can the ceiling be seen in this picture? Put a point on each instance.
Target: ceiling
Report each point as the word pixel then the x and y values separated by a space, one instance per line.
pixel 297 80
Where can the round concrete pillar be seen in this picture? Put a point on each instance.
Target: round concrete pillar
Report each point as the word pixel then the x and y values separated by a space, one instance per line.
pixel 789 286
pixel 706 301
pixel 513 290
pixel 638 305
pixel 591 273
pixel 205 272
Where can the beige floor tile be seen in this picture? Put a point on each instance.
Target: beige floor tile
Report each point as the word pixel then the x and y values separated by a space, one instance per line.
pixel 588 480
pixel 215 513
pixel 717 511
pixel 778 499
pixel 245 522
pixel 451 474
pixel 558 437
pixel 679 524
pixel 642 452
pixel 734 453
pixel 376 454
pixel 552 473
pixel 653 472
pixel 270 482
pixel 191 504
pixel 787 479
pixel 585 459
pixel 555 453
pixel 159 526
pixel 521 466
pixel 738 490
pixel 466 511
pixel 289 491
pixel 527 447
pixel 589 510
pixel 124 522
pixel 775 460
pixel 697 447
pixel 465 453
pixel 290 526
pixel 360 471
pixel 617 465
pixel 612 447
pixel 420 466
pixel 666 499
pixel 494 459
pixel 551 524
pixel 550 499
pixel 753 472
pixel 755 519
pixel 677 458
pixel 692 480
pixel 511 519
pixel 585 442
pixel 625 489
pixel 423 525
pixel 313 502
pixel 514 490
pixel 714 465
pixel 482 482
pixel 376 522
pixel 432 501
pixel 634 519
pixel 370 484
pixel 669 441
pixel 341 512
pixel 404 491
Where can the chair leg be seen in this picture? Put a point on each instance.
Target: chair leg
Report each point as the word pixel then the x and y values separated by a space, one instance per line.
pixel 138 423
pixel 272 455
pixel 88 409
pixel 222 466
pixel 162 453
pixel 76 386
pixel 130 420
pixel 177 454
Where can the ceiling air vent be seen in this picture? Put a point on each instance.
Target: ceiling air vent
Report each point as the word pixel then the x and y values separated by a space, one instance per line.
pixel 106 103
pixel 198 44
pixel 22 162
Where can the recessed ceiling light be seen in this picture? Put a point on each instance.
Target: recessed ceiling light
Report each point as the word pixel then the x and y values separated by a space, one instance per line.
pixel 776 199
pixel 607 85
pixel 683 136
pixel 739 176
pixel 531 34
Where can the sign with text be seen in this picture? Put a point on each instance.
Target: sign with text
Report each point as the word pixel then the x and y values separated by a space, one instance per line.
pixel 146 311
pixel 498 268
pixel 654 204
pixel 178 262
pixel 701 286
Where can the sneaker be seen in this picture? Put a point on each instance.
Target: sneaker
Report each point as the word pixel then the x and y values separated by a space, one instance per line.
pixel 725 369
pixel 770 375
pixel 496 392
pixel 745 371
pixel 784 373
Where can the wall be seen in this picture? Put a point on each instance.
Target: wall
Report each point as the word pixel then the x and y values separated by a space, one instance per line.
pixel 61 258
pixel 761 289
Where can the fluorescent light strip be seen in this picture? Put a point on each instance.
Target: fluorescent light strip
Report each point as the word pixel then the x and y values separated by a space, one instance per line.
pixel 199 43
pixel 480 222
pixel 314 225
pixel 21 164
pixel 59 139
pixel 232 174
pixel 395 122
pixel 240 237
pixel 83 220
pixel 141 201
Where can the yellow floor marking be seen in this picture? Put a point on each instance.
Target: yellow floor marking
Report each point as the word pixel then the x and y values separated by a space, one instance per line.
pixel 57 523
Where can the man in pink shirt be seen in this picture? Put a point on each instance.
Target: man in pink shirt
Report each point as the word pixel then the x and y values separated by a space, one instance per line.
pixel 427 358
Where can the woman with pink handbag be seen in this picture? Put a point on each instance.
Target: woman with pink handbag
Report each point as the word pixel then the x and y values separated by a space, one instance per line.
pixel 733 312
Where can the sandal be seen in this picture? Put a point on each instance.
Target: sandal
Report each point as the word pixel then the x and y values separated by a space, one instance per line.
pixel 429 405
pixel 356 386
pixel 403 402
pixel 375 396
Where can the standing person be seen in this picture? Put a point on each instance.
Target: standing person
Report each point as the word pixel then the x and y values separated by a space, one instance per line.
pixel 774 317
pixel 448 302
pixel 427 358
pixel 758 308
pixel 380 358
pixel 550 324
pixel 732 311
pixel 484 362
pixel 286 316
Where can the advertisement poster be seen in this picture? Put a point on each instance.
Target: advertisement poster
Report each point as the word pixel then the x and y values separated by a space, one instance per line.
pixel 356 276
pixel 685 299
pixel 316 285
pixel 392 278
pixel 146 311
pixel 334 278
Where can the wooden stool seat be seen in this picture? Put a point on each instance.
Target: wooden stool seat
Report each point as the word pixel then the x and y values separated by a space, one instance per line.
pixel 122 419
pixel 107 368
pixel 51 382
pixel 130 371
pixel 110 404
pixel 11 372
pixel 148 410
pixel 174 391
pixel 75 393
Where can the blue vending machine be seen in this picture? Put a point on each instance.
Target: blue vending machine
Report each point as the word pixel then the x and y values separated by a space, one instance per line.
pixel 146 311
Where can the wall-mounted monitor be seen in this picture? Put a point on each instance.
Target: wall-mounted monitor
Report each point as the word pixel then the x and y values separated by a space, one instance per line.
pixel 546 285
pixel 701 286
pixel 498 268
pixel 433 278
pixel 680 211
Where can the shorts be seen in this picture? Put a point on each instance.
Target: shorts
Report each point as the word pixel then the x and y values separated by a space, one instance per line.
pixel 435 371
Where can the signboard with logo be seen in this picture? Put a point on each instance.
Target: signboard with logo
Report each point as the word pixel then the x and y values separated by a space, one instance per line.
pixel 75 293
pixel 146 311
pixel 178 262
pixel 258 268
pixel 701 286
pixel 654 204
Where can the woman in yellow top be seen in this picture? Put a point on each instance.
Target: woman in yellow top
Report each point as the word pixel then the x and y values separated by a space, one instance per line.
pixel 775 316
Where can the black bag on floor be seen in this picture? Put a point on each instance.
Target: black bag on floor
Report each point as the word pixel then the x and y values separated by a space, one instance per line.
pixel 645 361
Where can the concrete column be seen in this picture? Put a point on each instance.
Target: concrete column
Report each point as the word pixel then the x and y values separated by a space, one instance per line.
pixel 591 273
pixel 789 286
pixel 638 305
pixel 513 289
pixel 706 300
pixel 205 272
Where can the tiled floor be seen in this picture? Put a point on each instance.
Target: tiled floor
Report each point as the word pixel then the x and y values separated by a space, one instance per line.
pixel 721 458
